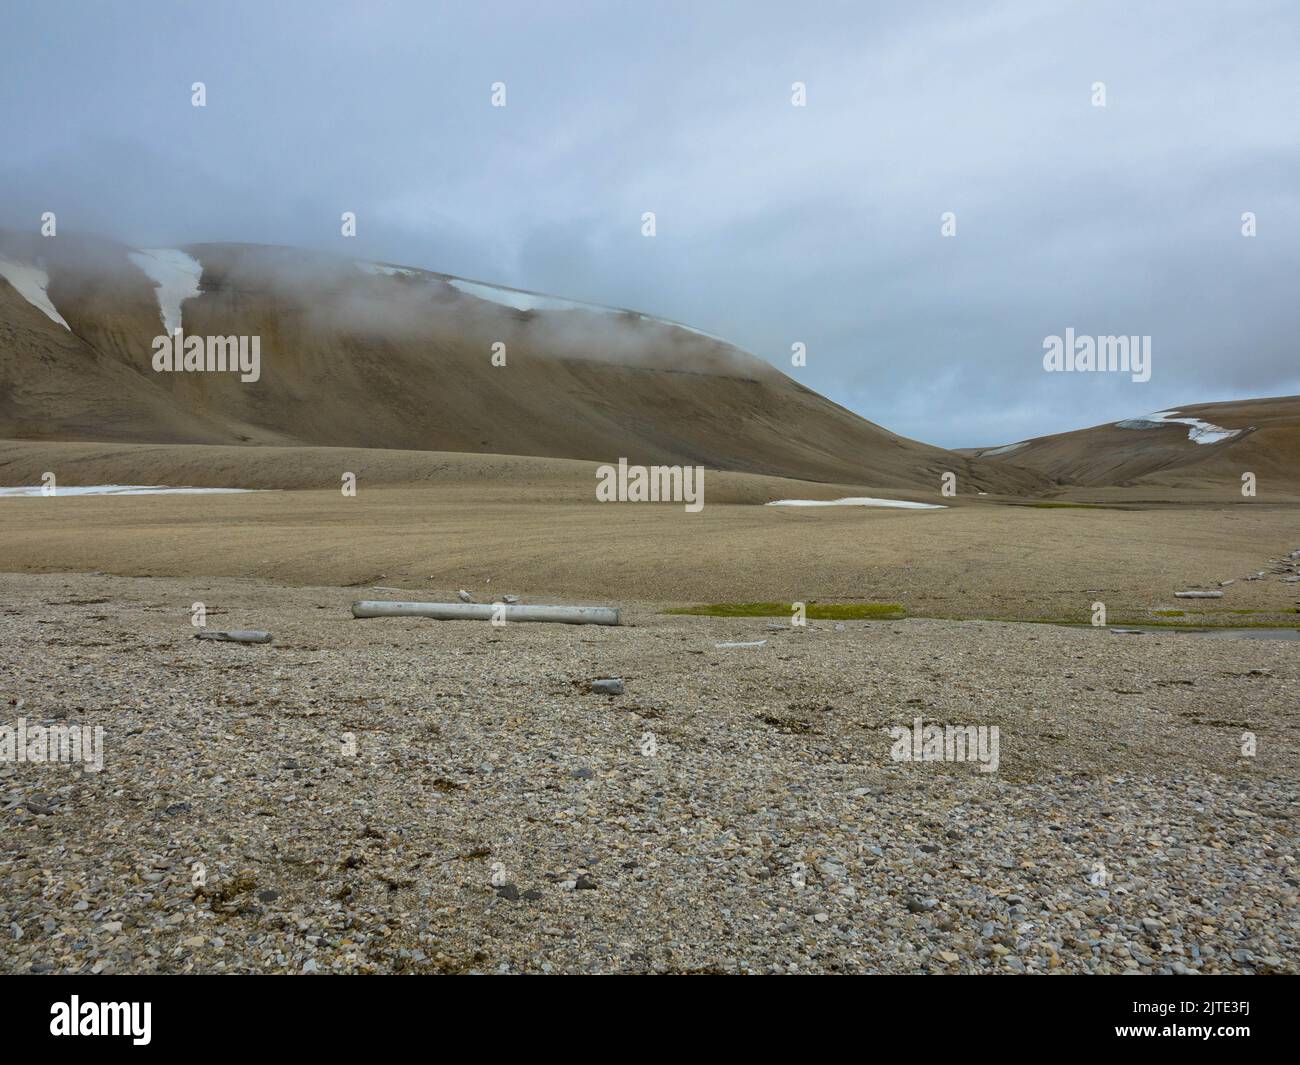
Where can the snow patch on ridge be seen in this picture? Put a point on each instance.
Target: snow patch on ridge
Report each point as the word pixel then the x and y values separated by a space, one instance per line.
pixel 1002 450
pixel 856 501
pixel 30 282
pixel 518 299
pixel 1198 432
pixel 384 270
pixel 532 301
pixel 176 276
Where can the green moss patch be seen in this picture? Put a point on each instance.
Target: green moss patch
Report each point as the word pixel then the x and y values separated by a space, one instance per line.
pixel 815 611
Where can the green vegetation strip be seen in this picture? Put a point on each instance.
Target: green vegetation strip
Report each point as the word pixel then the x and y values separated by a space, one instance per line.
pixel 1122 623
pixel 895 611
pixel 816 611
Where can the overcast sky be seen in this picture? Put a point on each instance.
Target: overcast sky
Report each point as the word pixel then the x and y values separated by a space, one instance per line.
pixel 775 224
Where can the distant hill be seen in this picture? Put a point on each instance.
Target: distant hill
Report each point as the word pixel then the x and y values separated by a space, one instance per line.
pixel 1185 447
pixel 357 354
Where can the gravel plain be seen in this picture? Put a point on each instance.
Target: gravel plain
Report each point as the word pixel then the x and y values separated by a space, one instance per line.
pixel 404 795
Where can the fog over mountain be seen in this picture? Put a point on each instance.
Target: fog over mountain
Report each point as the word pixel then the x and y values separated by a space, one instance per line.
pixel 775 224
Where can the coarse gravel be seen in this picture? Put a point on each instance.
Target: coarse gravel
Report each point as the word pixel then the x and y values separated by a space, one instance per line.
pixel 405 795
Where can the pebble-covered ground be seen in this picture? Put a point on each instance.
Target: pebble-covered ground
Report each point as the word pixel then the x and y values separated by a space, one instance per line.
pixel 404 795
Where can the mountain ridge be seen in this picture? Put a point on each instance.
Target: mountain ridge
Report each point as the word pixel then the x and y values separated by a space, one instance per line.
pixel 374 355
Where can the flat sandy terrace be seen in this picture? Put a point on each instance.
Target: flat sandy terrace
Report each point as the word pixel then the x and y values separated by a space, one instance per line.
pixel 547 538
pixel 769 831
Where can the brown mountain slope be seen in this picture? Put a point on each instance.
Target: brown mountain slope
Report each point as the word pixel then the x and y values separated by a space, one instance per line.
pixel 1259 436
pixel 360 355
